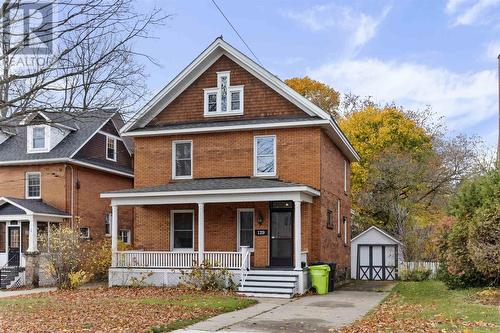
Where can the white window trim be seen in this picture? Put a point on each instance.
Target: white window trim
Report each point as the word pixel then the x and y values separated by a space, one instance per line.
pixel 27 196
pixel 238 227
pixel 29 137
pixel 128 235
pixel 345 176
pixel 263 174
pixel 108 217
pixel 172 212
pixel 109 137
pixel 345 230
pixel 174 166
pixel 230 89
pixel 88 232
pixel 339 230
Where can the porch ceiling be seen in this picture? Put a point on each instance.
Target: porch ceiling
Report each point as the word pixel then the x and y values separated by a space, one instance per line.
pixel 214 190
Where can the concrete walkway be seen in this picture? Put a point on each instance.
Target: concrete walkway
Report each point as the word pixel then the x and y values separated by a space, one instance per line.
pixel 13 293
pixel 318 313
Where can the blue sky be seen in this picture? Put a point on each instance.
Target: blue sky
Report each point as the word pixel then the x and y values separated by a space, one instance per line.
pixel 411 52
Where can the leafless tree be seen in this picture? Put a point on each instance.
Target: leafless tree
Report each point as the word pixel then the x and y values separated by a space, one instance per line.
pixel 71 57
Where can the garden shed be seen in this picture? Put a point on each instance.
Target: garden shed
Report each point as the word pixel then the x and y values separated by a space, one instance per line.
pixel 375 255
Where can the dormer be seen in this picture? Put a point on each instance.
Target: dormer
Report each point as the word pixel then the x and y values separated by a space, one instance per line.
pixel 223 100
pixel 42 135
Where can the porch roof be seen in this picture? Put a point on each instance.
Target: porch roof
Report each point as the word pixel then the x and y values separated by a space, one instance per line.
pixel 16 206
pixel 214 190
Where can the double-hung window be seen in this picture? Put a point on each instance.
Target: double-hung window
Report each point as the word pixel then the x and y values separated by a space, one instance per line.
pixel 344 221
pixel 265 155
pixel 124 236
pixel 182 229
pixel 223 100
pixel 182 159
pixel 110 148
pixel 245 227
pixel 38 139
pixel 33 185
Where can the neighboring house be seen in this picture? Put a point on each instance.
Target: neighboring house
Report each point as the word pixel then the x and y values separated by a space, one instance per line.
pixel 234 167
pixel 52 170
pixel 375 255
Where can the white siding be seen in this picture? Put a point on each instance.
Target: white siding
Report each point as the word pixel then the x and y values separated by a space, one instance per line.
pixel 371 237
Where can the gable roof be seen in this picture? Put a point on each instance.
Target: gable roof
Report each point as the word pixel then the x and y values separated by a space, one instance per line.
pixel 13 150
pixel 32 206
pixel 378 230
pixel 200 64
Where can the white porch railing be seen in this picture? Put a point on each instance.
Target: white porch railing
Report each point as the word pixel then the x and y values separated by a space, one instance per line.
pixel 231 260
pixel 175 259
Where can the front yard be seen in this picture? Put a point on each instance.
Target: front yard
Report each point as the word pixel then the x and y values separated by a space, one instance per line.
pixel 430 307
pixel 113 310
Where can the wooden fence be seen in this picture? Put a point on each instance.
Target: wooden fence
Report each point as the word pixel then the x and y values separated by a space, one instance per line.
pixel 411 265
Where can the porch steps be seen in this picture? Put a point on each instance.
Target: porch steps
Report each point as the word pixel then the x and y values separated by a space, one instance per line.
pixel 8 275
pixel 262 283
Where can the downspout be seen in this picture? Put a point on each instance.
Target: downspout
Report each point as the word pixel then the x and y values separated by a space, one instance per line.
pixel 72 193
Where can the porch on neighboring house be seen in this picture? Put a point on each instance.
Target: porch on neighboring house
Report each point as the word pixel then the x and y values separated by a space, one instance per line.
pixel 250 226
pixel 22 223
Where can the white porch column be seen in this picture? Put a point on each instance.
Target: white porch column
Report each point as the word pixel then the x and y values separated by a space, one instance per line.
pixel 201 231
pixel 32 238
pixel 114 228
pixel 297 234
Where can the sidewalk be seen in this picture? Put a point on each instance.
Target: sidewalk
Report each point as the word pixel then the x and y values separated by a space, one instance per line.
pixel 13 293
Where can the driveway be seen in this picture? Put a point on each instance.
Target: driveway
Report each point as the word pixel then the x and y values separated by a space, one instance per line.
pixel 318 313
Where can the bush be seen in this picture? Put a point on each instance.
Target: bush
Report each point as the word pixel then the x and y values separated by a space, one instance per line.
pixel 98 259
pixel 470 251
pixel 468 278
pixel 66 255
pixel 416 274
pixel 205 277
pixel 78 278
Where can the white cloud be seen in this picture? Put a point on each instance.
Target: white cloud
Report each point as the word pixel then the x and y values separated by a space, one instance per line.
pixel 463 98
pixel 468 12
pixel 492 50
pixel 362 27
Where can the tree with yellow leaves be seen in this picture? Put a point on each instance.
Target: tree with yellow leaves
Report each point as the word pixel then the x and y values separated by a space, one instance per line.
pixel 319 93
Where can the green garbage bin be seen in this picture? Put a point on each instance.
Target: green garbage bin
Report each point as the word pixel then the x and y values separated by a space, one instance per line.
pixel 319 278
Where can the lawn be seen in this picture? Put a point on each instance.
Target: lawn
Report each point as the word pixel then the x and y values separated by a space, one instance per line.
pixel 430 307
pixel 114 310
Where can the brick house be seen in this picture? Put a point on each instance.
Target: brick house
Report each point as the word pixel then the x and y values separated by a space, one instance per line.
pixel 234 167
pixel 52 170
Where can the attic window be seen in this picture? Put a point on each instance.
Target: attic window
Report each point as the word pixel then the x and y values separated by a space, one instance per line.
pixel 110 148
pixel 224 100
pixel 38 139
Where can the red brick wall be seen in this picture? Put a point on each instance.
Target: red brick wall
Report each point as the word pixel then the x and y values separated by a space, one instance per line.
pixel 332 247
pixel 90 208
pixel 231 155
pixel 56 191
pixel 259 100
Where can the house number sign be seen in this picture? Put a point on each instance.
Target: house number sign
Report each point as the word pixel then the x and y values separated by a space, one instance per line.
pixel 261 232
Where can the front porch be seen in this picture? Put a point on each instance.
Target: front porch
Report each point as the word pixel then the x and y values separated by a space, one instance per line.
pixel 22 223
pixel 242 224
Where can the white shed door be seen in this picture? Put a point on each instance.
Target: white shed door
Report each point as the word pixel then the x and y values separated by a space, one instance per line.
pixel 377 262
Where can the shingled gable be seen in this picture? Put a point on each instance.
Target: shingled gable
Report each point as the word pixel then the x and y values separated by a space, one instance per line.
pixel 141 123
pixel 13 150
